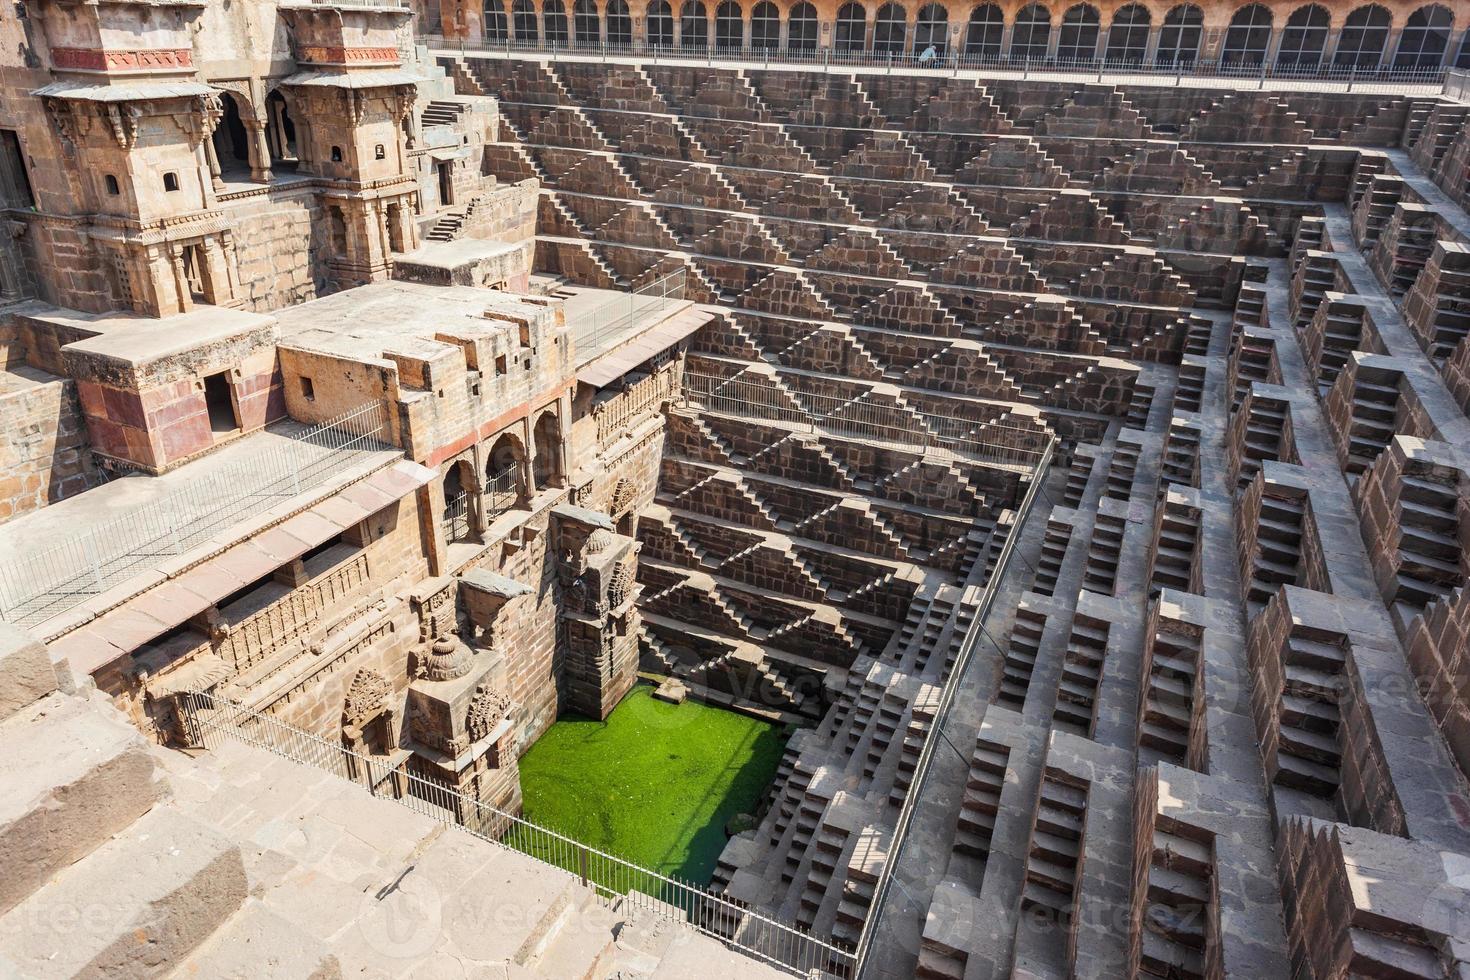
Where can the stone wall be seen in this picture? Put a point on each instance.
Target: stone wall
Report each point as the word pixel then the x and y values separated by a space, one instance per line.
pixel 281 247
pixel 44 453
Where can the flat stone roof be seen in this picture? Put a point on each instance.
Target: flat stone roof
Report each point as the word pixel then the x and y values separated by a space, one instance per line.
pixel 360 323
pixel 130 340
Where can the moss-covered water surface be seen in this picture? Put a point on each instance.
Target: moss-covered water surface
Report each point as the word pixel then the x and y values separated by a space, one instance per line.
pixel 655 784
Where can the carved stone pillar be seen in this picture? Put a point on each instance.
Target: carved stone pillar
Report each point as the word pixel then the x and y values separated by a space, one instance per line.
pixel 596 567
pixel 260 151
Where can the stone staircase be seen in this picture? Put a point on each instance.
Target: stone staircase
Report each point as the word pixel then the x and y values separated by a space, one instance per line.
pixel 235 862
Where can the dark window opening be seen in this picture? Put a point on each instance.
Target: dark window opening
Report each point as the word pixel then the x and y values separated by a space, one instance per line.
pixel 15 181
pixel 852 28
pixel 112 187
pixel 986 31
pixel 308 390
pixel 231 141
pixel 336 154
pixel 693 25
pixel 170 181
pixel 801 27
pixel 554 20
pixel 219 398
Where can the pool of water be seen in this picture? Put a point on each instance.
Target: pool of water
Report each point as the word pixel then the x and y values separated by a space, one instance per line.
pixel 655 784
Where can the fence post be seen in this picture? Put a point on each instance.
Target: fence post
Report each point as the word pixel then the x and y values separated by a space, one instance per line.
pixel 582 863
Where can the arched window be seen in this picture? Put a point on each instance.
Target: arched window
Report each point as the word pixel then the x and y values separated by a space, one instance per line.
pixel 932 28
pixel 458 515
pixel 1425 38
pixel 693 25
pixel 1304 37
pixel 852 27
pixel 589 30
pixel 660 24
pixel 729 26
pixel 1248 37
pixel 619 23
pixel 495 27
pixel 554 18
pixel 765 25
pixel 1032 33
pixel 1363 37
pixel 523 14
pixel 801 27
pixel 1180 36
pixel 1128 35
pixel 889 29
pixel 986 31
pixel 1078 38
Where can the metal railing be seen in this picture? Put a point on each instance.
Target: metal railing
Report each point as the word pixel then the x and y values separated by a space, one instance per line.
pixel 882 889
pixel 608 324
pixel 1457 85
pixel 209 719
pixel 942 436
pixel 1318 76
pixel 457 517
pixel 502 492
pixel 41 585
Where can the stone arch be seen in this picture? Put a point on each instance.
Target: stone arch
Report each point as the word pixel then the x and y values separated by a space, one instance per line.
pixel 986 31
pixel 1032 33
pixel 1364 35
pixel 1304 37
pixel 1426 38
pixel 1180 35
pixel 1077 39
pixel 932 28
pixel 231 140
pixel 504 486
pixel 546 461
pixel 801 27
pixel 1248 37
pixel 460 490
pixel 851 30
pixel 1128 34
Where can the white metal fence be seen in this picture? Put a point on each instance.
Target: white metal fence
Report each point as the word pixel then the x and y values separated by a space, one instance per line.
pixel 608 324
pixel 943 436
pixel 41 585
pixel 1457 85
pixel 883 888
pixel 1314 77
pixel 208 720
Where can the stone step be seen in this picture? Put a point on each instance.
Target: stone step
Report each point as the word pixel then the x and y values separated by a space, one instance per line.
pixel 149 897
pixel 257 942
pixel 74 773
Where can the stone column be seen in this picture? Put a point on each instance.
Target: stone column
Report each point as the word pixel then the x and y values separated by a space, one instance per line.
pixel 211 160
pixel 260 151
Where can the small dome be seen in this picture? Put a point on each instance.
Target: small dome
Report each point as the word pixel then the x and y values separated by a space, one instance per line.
pixel 447 660
pixel 599 541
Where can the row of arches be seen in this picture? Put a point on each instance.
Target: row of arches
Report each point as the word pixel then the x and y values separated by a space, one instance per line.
pixel 1367 39
pixel 471 501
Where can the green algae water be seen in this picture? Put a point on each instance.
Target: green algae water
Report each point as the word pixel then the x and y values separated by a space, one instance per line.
pixel 655 784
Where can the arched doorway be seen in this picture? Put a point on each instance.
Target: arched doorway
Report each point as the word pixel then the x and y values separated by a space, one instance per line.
pixel 280 130
pixel 503 488
pixel 1077 40
pixel 231 141
pixel 729 26
pixel 457 519
pixel 1425 38
pixel 765 25
pixel 546 463
pixel 554 18
pixel 1361 43
pixel 1304 37
pixel 619 23
pixel 1248 37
